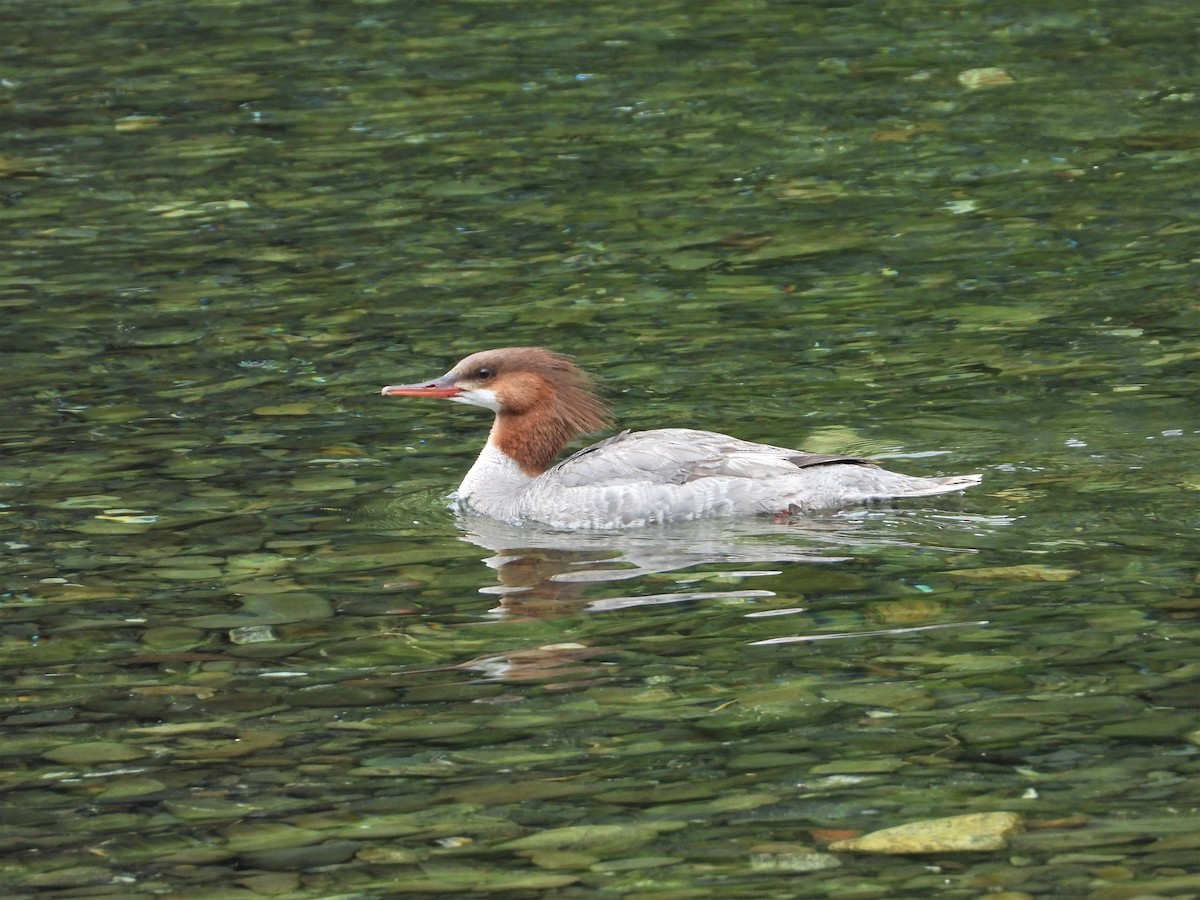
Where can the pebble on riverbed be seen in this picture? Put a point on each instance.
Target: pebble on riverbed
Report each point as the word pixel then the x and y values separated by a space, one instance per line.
pixel 988 76
pixel 972 832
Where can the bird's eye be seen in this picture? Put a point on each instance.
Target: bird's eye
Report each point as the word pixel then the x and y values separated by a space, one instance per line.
pixel 484 374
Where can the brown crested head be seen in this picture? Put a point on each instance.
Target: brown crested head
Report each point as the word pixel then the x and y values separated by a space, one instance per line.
pixel 544 401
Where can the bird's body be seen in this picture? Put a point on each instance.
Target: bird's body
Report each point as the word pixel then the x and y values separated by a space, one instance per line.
pixel 543 401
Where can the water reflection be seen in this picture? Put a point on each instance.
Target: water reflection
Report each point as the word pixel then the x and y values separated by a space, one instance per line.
pixel 538 568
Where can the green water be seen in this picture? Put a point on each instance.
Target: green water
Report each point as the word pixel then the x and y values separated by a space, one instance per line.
pixel 249 652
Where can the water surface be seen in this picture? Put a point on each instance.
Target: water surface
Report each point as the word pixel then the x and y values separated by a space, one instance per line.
pixel 251 652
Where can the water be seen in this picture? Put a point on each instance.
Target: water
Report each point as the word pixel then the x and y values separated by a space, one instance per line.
pixel 250 652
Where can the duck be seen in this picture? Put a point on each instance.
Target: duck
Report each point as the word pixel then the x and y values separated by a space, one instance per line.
pixel 543 401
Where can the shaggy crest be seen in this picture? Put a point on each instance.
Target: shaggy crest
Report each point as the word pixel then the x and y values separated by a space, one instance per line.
pixel 546 402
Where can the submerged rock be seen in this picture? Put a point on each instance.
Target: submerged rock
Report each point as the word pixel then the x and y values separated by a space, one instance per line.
pixel 955 834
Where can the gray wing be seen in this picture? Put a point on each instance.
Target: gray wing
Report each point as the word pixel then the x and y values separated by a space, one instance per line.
pixel 680 456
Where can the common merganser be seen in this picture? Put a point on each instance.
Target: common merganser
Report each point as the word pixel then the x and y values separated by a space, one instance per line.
pixel 543 401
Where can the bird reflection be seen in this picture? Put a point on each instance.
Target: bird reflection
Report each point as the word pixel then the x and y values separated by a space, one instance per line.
pixel 542 571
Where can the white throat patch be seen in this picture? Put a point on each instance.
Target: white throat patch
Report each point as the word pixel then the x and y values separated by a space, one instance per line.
pixel 484 397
